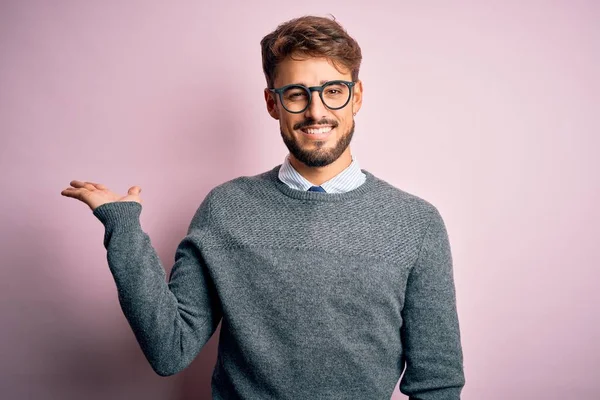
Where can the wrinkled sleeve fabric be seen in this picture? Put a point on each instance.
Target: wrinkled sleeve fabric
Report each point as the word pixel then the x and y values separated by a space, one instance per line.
pixel 430 331
pixel 171 320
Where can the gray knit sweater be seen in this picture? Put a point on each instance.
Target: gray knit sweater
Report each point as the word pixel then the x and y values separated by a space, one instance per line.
pixel 321 295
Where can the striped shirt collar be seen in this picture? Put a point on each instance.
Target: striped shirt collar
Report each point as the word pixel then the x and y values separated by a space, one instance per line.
pixel 347 180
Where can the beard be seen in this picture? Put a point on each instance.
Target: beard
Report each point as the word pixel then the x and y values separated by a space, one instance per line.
pixel 321 156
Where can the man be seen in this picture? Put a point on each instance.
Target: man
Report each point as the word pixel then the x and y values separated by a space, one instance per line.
pixel 329 282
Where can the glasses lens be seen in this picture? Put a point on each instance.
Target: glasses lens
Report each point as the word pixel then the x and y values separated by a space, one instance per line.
pixel 336 95
pixel 295 98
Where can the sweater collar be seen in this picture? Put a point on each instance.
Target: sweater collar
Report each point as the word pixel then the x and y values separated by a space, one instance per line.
pixel 368 185
pixel 349 179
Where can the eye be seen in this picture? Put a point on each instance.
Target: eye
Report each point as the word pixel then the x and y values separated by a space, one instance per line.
pixel 295 94
pixel 335 90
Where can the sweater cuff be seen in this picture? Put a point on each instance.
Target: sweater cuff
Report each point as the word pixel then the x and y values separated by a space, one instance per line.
pixel 119 214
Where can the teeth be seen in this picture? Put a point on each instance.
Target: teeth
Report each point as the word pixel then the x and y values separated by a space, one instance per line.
pixel 317 131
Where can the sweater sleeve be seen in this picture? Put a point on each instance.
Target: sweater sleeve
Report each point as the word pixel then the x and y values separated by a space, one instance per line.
pixel 171 321
pixel 430 331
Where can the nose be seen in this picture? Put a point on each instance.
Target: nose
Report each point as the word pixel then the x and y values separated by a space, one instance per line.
pixel 316 109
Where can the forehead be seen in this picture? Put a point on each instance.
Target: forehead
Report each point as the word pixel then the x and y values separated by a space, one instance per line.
pixel 309 71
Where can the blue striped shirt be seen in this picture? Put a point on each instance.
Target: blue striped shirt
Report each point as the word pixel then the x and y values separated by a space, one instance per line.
pixel 347 180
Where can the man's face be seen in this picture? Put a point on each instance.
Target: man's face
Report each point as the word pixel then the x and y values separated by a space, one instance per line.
pixel 318 136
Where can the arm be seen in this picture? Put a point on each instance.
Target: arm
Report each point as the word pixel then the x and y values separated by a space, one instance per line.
pixel 430 329
pixel 171 321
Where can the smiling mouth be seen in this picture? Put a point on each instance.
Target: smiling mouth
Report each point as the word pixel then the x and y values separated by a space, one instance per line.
pixel 317 131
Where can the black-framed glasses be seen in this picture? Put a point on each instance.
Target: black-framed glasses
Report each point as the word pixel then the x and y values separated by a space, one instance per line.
pixel 296 98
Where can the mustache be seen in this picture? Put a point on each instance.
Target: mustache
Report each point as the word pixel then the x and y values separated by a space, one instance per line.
pixel 312 122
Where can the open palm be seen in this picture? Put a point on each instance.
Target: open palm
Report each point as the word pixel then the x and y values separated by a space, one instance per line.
pixel 95 194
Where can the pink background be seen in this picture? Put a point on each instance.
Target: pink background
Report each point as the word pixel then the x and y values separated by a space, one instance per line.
pixel 488 109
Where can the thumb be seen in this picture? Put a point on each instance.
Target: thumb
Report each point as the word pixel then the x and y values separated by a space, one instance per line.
pixel 134 190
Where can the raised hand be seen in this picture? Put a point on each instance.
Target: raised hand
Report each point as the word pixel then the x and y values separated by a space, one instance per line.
pixel 95 194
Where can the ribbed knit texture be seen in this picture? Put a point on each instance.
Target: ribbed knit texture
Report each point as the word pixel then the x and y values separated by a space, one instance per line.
pixel 321 296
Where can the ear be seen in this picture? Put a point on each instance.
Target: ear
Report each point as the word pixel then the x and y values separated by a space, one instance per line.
pixel 357 96
pixel 271 104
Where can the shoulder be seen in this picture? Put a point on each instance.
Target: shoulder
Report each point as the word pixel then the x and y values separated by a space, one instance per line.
pixel 239 193
pixel 402 201
pixel 240 187
pixel 409 212
pixel 224 199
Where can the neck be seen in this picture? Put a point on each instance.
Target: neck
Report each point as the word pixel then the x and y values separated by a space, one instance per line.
pixel 319 175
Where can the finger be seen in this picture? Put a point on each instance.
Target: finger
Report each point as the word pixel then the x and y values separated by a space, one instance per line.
pixel 91 186
pixel 74 193
pixel 77 184
pixel 98 186
pixel 134 190
pixel 82 185
pixel 67 192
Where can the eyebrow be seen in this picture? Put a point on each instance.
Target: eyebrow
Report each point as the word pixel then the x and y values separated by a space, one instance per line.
pixel 321 83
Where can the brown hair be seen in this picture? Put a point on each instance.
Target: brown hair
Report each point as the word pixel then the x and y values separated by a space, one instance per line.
pixel 313 37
